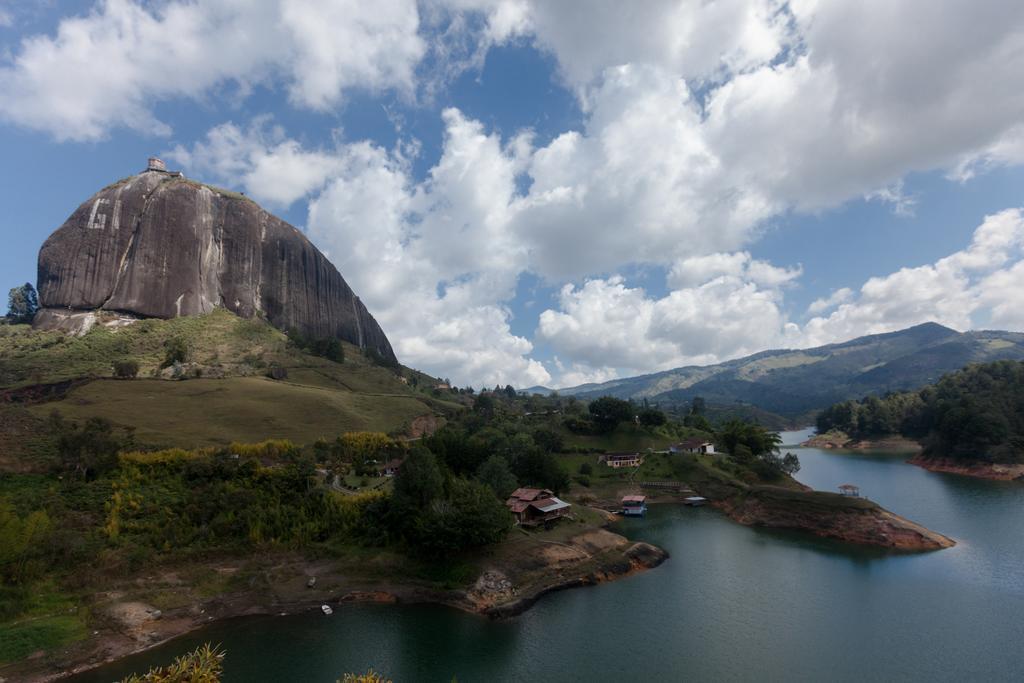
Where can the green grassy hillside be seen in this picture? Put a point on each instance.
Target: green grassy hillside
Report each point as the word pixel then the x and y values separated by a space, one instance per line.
pixel 226 397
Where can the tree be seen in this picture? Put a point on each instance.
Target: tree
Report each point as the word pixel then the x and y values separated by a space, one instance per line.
pixel 496 474
pixel 22 304
pixel 510 391
pixel 608 412
pixel 548 439
pixel 418 482
pixel 484 406
pixel 652 417
pixel 468 517
pixel 697 406
pixel 89 449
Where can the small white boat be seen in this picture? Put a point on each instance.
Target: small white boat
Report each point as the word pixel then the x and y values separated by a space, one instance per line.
pixel 326 609
pixel 695 501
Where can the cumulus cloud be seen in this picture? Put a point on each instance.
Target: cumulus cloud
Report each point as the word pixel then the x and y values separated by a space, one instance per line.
pixel 108 68
pixel 433 260
pixel 953 291
pixel 606 324
pixel 272 168
pixel 840 296
pixel 717 310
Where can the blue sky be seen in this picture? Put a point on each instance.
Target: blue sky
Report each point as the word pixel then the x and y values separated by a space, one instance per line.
pixel 529 194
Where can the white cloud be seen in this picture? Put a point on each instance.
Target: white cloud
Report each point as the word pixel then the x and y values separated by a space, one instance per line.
pixel 717 311
pixel 840 296
pixel 606 324
pixel 953 291
pixel 110 67
pixel 640 184
pixel 272 168
pixel 693 38
pixel 434 260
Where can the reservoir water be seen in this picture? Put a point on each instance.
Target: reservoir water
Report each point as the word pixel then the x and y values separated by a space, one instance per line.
pixel 732 603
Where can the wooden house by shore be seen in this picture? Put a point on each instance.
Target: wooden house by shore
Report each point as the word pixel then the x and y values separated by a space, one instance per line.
pixel 535 507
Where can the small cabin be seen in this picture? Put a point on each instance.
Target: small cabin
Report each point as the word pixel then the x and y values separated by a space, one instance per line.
pixel 390 468
pixel 634 506
pixel 699 446
pixel 617 460
pixel 155 164
pixel 535 507
pixel 849 490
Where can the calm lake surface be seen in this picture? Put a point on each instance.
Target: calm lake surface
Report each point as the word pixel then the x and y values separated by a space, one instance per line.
pixel 732 603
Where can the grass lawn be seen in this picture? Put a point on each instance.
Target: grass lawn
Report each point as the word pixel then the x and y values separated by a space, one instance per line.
pixel 49 619
pixel 22 638
pixel 656 467
pixel 205 412
pixel 626 437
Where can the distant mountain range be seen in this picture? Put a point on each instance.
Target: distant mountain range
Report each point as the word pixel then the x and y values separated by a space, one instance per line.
pixel 797 383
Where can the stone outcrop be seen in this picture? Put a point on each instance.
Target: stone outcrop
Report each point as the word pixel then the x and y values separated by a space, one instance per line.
pixel 971 468
pixel 829 515
pixel 157 245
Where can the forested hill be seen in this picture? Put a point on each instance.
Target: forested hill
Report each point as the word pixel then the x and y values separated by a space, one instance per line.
pixel 796 384
pixel 973 414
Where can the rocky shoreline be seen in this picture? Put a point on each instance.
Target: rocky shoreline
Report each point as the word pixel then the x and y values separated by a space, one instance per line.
pixel 825 515
pixel 841 441
pixel 130 625
pixel 977 469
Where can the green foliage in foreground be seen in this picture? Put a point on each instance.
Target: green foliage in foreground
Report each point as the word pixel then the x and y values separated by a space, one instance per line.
pixel 203 665
pixel 973 414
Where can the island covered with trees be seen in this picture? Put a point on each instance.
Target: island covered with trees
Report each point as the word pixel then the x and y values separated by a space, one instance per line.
pixel 969 422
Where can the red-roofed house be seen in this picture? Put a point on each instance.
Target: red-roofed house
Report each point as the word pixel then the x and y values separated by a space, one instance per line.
pixel 532 507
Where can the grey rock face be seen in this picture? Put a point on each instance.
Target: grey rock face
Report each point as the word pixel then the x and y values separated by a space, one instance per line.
pixel 158 245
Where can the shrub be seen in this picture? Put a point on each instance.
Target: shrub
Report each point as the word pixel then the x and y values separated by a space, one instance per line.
pixel 126 369
pixel 204 665
pixel 586 469
pixel 176 351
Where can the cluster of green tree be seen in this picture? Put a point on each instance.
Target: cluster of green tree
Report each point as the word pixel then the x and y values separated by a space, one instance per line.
pixel 22 304
pixel 976 413
pixel 695 416
pixel 605 414
pixel 757 448
pixel 502 454
pixel 325 347
pixel 435 511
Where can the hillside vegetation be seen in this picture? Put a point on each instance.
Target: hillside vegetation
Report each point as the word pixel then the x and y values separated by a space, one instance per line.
pixel 793 385
pixel 973 414
pixel 201 381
